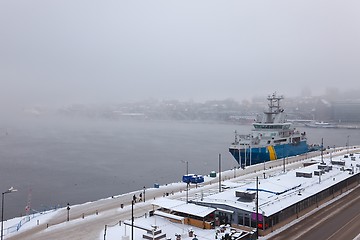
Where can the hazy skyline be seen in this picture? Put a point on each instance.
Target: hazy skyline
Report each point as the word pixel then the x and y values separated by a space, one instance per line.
pixel 63 52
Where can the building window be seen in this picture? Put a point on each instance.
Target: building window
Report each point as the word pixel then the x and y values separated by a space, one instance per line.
pixel 247 220
pixel 240 219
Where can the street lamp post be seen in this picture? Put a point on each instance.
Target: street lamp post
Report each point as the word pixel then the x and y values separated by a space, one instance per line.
pixel 187 183
pixel 322 150
pixel 132 219
pixel 250 152
pixel 68 212
pixel 219 172
pixel 10 190
pixel 144 193
pixel 257 207
pixel 187 192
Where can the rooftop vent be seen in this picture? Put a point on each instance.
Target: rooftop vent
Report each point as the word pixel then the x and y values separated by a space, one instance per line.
pixel 304 174
pixel 338 162
pixel 325 168
pixel 246 196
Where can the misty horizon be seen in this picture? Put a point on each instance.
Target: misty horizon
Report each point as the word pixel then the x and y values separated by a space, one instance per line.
pixel 60 53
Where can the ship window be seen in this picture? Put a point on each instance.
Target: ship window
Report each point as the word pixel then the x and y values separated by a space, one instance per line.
pixel 280 140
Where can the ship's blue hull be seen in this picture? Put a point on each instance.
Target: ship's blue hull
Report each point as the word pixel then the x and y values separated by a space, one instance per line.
pixel 263 154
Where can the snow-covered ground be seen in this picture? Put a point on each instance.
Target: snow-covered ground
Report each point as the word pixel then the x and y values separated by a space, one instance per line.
pixel 88 220
pixel 171 229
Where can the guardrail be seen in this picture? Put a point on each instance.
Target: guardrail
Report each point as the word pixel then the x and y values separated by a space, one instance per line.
pixel 28 218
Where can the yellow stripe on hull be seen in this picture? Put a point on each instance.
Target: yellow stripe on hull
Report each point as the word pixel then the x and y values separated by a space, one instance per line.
pixel 272 152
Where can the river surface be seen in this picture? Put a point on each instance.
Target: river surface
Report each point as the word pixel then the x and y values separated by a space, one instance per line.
pixel 55 162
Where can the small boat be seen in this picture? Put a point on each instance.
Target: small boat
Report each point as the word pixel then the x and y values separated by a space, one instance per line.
pixel 321 124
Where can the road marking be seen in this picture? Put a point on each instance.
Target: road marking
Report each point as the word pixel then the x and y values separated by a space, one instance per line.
pixel 323 219
pixel 340 229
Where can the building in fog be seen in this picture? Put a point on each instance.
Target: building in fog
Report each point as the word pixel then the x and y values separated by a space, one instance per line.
pixel 346 111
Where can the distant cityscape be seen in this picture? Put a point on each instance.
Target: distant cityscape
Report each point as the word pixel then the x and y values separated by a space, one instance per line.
pixel 335 108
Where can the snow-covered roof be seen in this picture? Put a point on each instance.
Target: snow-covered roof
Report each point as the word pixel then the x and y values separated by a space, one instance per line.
pixel 168 215
pixel 183 207
pixel 285 189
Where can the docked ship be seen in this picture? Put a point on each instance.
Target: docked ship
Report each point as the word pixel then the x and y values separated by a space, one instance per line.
pixel 271 138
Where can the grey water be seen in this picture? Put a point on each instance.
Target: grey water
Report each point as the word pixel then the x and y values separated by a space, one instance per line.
pixel 54 161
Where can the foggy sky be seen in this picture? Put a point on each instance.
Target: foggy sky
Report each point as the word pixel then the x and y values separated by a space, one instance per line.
pixel 85 51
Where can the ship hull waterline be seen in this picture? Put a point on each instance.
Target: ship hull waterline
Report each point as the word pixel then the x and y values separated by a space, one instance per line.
pixel 251 156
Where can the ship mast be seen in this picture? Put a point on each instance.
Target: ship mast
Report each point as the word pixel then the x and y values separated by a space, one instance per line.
pixel 274 107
